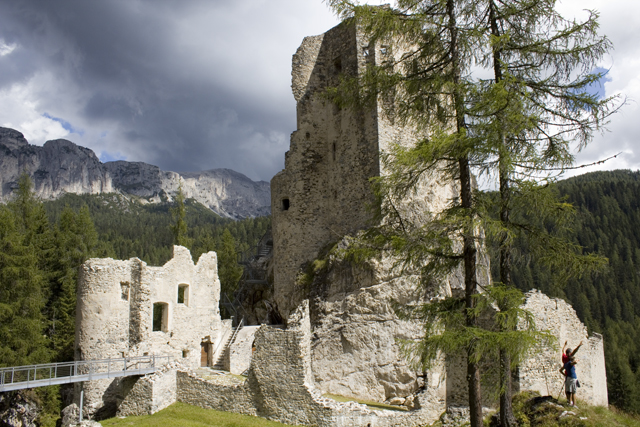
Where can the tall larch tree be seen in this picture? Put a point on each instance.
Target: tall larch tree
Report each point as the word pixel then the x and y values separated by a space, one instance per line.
pixel 507 126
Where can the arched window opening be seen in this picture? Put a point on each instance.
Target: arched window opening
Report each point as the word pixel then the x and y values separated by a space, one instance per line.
pixel 183 294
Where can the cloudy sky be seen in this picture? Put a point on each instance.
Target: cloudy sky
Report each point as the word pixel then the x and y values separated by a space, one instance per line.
pixel 191 85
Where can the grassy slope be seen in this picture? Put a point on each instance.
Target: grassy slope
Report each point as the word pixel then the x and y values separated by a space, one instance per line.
pixel 550 414
pixel 183 415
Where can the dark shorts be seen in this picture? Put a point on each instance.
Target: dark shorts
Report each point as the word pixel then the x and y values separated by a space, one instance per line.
pixel 570 385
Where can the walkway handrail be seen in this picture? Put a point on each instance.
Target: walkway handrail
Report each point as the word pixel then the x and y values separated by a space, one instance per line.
pixel 233 337
pixel 29 376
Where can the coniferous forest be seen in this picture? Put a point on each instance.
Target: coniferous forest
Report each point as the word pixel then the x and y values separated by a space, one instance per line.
pixel 44 243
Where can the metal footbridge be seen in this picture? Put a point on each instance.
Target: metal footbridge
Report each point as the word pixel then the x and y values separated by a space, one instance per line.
pixel 30 376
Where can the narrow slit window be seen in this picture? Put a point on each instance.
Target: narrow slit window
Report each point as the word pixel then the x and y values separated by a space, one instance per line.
pixel 183 294
pixel 337 63
pixel 334 151
pixel 285 204
pixel 124 287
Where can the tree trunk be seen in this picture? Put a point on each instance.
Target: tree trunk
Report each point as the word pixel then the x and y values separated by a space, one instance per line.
pixel 468 232
pixel 507 419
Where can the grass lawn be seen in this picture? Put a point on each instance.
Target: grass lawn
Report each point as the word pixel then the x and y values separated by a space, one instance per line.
pixel 182 415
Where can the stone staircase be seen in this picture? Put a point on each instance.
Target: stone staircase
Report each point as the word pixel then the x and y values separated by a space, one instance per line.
pixel 219 363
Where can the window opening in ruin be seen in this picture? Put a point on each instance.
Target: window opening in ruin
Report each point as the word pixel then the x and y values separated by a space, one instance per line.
pixel 383 50
pixel 365 51
pixel 337 63
pixel 183 294
pixel 285 204
pixel 307 135
pixel 124 286
pixel 185 354
pixel 160 316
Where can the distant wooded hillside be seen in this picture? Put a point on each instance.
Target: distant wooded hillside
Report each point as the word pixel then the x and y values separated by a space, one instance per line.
pixel 129 229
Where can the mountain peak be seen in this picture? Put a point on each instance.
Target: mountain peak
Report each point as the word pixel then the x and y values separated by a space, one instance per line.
pixel 12 139
pixel 61 166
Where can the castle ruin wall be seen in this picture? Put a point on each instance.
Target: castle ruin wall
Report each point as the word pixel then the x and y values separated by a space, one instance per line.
pixel 539 371
pixel 115 316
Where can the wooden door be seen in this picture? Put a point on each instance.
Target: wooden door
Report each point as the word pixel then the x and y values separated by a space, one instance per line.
pixel 204 354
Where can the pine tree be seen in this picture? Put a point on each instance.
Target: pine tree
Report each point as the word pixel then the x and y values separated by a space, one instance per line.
pixel 179 227
pixel 76 241
pixel 22 290
pixel 229 271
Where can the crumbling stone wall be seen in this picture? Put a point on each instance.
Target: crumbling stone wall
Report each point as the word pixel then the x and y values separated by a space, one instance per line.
pixel 280 386
pixel 151 393
pixel 540 371
pixel 115 316
pixel 240 351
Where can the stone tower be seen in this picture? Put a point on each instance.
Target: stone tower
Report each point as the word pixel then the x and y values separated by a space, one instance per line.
pixel 324 192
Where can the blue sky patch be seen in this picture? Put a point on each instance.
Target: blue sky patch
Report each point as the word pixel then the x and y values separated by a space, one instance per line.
pixel 597 88
pixel 65 124
pixel 111 157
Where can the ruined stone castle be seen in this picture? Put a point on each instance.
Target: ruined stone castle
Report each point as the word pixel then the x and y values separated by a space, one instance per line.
pixel 341 334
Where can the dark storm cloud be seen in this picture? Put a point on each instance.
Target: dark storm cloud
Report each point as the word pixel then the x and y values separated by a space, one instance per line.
pixel 198 84
pixel 185 85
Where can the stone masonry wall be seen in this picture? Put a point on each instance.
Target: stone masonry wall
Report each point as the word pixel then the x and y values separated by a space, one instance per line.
pixel 115 316
pixel 280 387
pixel 540 371
pixel 240 350
pixel 324 192
pixel 151 393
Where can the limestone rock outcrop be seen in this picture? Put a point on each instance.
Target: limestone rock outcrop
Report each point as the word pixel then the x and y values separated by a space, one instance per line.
pixel 17 410
pixel 60 166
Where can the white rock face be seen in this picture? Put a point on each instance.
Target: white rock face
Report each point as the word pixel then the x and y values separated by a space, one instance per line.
pixel 61 166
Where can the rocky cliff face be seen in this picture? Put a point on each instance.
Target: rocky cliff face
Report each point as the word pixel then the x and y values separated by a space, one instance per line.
pixel 60 166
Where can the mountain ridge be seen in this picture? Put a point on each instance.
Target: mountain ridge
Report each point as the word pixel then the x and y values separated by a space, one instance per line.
pixel 60 166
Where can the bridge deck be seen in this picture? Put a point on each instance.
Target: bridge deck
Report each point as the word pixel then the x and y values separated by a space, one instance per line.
pixel 21 377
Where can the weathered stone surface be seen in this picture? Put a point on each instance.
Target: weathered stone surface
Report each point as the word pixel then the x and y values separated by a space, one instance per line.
pixel 114 317
pixel 70 415
pixel 61 166
pixel 152 393
pixel 539 371
pixel 17 410
pixel 240 350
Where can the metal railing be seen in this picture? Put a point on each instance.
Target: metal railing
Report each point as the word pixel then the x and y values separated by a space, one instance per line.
pixel 20 377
